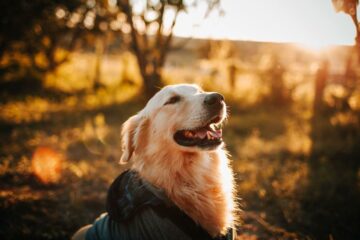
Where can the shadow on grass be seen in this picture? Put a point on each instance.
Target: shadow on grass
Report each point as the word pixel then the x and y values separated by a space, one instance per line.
pixel 53 123
pixel 269 120
pixel 32 210
pixel 53 216
pixel 331 202
pixel 19 89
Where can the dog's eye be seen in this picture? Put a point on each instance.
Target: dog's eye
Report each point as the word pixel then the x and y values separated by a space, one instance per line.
pixel 173 100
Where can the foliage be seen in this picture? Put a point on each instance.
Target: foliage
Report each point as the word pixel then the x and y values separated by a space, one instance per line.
pixel 297 168
pixel 37 30
pixel 45 32
pixel 350 7
pixel 347 6
pixel 269 146
pixel 151 25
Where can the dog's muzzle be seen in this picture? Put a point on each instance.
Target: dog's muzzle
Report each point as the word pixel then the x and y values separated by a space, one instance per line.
pixel 209 135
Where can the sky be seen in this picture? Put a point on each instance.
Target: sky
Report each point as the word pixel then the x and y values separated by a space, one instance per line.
pixel 309 22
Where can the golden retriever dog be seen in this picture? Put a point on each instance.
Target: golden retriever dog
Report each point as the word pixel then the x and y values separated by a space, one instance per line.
pixel 175 143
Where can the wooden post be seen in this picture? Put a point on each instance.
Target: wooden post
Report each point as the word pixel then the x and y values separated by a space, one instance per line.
pixel 320 84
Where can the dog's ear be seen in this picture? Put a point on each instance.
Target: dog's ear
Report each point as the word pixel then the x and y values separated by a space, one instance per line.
pixel 128 138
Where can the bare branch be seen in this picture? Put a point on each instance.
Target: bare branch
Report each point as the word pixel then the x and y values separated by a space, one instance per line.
pixel 158 39
pixel 166 45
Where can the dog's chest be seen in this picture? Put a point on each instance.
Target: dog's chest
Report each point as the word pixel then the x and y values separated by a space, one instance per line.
pixel 201 187
pixel 204 197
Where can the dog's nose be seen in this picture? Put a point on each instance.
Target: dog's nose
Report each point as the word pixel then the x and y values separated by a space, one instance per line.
pixel 213 99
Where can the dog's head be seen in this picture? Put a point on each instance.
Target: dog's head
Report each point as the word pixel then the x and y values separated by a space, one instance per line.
pixel 179 117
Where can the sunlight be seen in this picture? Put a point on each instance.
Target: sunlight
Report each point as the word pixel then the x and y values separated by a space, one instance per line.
pixel 314 46
pixel 46 164
pixel 313 23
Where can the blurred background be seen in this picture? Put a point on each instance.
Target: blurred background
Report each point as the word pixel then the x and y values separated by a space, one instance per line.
pixel 72 71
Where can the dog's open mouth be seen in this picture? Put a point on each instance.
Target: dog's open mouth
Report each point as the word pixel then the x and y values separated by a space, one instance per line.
pixel 207 136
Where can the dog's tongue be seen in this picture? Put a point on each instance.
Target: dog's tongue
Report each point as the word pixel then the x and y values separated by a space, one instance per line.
pixel 202 133
pixel 216 133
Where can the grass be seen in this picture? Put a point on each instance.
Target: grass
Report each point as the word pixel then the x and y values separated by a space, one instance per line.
pixel 84 129
pixel 296 179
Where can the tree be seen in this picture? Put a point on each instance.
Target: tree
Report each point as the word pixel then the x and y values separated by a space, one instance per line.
pixel 150 25
pixel 37 30
pixel 350 7
pixel 99 22
pixel 320 84
pixel 45 31
pixel 40 35
pixel 222 55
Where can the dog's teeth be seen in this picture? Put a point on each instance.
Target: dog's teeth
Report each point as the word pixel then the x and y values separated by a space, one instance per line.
pixel 210 136
pixel 201 134
pixel 188 134
pixel 217 126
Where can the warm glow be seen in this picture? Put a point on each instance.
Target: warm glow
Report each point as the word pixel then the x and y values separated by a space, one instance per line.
pixel 309 22
pixel 315 47
pixel 47 165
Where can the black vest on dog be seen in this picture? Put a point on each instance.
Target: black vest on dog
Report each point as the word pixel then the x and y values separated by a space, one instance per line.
pixel 138 210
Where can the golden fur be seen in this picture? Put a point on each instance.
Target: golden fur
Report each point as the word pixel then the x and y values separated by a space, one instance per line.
pixel 199 182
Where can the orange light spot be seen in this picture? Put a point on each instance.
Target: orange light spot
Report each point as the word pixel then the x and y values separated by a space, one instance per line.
pixel 46 164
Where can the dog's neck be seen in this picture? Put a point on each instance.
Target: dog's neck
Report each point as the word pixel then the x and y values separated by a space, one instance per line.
pixel 201 184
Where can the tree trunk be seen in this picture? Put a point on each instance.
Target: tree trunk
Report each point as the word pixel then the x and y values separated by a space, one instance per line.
pixel 320 84
pixel 99 49
pixel 357 37
pixel 150 71
pixel 151 83
pixel 278 90
pixel 232 70
pixel 357 41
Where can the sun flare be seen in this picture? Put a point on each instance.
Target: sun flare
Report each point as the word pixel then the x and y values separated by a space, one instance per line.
pixel 46 165
pixel 314 46
pixel 312 23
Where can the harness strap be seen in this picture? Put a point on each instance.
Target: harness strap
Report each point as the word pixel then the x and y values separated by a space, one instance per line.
pixel 129 194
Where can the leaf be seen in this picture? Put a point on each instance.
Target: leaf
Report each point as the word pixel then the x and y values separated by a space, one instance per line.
pixel 346 6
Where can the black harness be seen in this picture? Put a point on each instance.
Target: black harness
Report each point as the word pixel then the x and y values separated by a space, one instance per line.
pixel 129 196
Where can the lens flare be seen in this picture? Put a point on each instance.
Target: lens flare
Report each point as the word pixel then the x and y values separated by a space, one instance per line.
pixel 46 164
